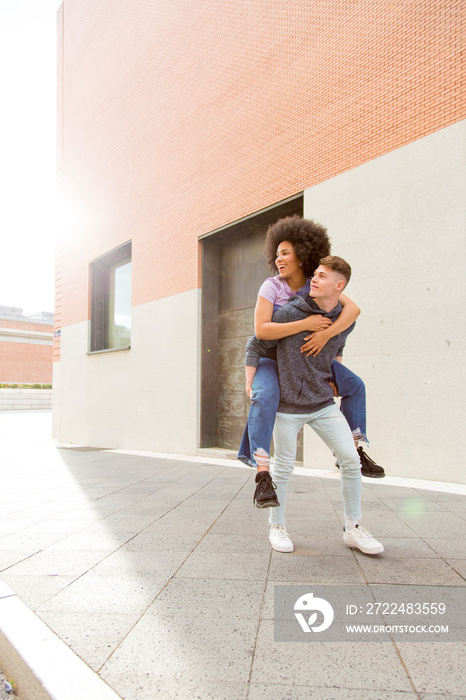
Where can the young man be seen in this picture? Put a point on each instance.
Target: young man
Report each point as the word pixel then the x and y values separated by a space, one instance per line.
pixel 293 248
pixel 306 397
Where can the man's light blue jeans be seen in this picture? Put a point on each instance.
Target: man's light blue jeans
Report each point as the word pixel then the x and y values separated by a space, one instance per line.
pixel 330 424
pixel 264 405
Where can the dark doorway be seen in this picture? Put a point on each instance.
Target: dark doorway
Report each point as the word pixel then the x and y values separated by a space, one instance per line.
pixel 233 268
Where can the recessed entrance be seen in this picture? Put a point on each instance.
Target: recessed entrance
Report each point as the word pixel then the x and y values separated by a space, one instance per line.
pixel 233 268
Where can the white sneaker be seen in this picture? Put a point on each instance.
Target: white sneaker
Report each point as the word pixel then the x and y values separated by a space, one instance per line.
pixel 279 539
pixel 363 540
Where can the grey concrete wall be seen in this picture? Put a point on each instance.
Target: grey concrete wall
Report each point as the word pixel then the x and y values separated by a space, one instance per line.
pixel 145 398
pixel 400 220
pixel 25 399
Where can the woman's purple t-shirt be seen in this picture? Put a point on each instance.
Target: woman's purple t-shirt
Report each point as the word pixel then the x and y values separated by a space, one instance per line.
pixel 278 292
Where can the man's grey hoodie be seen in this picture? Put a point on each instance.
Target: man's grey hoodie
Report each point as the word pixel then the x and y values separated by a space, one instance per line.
pixel 304 381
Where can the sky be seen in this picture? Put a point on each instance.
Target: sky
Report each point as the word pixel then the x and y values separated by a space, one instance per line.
pixel 27 155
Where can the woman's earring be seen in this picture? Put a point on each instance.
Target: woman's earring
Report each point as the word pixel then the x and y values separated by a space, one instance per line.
pixel 300 264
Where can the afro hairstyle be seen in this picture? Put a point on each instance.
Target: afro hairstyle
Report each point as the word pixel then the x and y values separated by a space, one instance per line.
pixel 309 240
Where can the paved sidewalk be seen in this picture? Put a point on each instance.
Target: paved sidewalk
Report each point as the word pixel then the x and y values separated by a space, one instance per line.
pixel 157 572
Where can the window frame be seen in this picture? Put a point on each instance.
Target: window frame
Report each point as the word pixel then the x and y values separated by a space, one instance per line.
pixel 100 270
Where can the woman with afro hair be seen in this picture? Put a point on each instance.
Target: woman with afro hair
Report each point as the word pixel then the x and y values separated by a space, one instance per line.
pixel 294 247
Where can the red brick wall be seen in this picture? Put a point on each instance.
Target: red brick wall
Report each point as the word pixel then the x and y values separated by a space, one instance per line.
pixel 180 117
pixel 25 326
pixel 25 363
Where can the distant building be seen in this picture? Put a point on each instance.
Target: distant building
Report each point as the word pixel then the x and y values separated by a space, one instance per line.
pixel 26 346
pixel 184 130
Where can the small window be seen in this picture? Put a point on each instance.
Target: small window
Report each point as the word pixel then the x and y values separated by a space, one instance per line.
pixel 110 277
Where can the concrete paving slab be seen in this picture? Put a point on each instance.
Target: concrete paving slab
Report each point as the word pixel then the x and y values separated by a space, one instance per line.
pixel 409 547
pixel 316 498
pixel 154 503
pixel 90 512
pixel 314 569
pixel 160 543
pixel 106 594
pixel 371 505
pixel 297 525
pixel 412 504
pixel 47 509
pixel 30 541
pixel 457 508
pixel 11 524
pixel 58 526
pixel 341 665
pixel 301 692
pixel 59 563
pixel 421 572
pixel 10 557
pixel 384 523
pixel 16 505
pixel 374 495
pixel 164 527
pixel 435 524
pixel 211 597
pixel 435 670
pixel 182 648
pixel 188 511
pixel 313 544
pixel 232 522
pixel 301 510
pixel 34 590
pixel 222 492
pixel 233 543
pixel 122 523
pixel 447 498
pixel 223 565
pixel 93 637
pixel 88 540
pixel 67 524
pixel 127 520
pixel 459 565
pixel 268 611
pixel 311 506
pixel 178 686
pixel 379 488
pixel 130 563
pixel 447 547
pixel 429 696
pixel 191 505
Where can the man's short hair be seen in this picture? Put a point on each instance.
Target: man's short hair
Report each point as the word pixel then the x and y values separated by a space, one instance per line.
pixel 337 265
